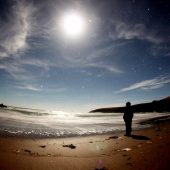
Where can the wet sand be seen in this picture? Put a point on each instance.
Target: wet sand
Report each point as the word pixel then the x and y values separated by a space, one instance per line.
pixel 148 149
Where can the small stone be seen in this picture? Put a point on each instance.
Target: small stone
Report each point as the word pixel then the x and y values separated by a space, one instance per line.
pixel 126 149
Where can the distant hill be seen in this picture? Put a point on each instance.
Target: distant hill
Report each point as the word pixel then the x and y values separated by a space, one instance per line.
pixel 162 105
pixel 3 106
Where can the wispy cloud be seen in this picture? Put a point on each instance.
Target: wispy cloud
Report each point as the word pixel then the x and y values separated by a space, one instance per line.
pixel 16 29
pixel 40 88
pixel 57 90
pixel 21 25
pixel 106 67
pixel 42 63
pixel 29 87
pixel 17 71
pixel 123 30
pixel 161 50
pixel 154 83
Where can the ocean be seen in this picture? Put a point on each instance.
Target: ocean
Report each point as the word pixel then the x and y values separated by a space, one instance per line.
pixel 16 121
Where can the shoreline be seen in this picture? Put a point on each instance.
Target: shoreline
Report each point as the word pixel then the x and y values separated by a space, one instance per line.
pixel 148 123
pixel 147 149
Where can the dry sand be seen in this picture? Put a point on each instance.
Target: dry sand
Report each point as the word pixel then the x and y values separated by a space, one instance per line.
pixel 148 150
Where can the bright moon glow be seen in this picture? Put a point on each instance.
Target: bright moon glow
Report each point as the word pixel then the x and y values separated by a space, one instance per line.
pixel 73 24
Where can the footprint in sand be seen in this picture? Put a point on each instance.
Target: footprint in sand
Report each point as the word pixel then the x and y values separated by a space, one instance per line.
pixel 125 155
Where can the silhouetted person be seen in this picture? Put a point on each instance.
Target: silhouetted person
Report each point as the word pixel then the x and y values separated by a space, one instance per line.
pixel 128 116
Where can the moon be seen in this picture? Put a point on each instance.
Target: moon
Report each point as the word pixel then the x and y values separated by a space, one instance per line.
pixel 73 24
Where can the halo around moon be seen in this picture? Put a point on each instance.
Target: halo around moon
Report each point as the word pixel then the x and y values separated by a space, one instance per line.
pixel 73 24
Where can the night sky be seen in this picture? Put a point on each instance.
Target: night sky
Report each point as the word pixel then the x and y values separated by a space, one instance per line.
pixel 122 53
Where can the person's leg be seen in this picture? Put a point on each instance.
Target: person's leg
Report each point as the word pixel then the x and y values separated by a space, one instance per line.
pixel 128 128
pixel 126 124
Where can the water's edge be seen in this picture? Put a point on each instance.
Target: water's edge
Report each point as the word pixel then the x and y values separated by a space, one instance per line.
pixel 33 123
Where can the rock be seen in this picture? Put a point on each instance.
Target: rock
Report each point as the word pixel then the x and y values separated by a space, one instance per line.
pixel 42 146
pixel 126 149
pixel 71 146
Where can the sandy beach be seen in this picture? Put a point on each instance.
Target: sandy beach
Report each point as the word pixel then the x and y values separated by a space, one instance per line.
pixel 147 149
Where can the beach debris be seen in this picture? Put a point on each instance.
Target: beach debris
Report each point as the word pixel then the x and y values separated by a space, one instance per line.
pixel 149 142
pixel 126 149
pixel 112 137
pixel 91 142
pixel 28 151
pixel 125 155
pixel 71 146
pixel 42 146
pixel 17 151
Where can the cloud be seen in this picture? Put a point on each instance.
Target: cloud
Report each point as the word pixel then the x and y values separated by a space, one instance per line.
pixel 161 50
pixel 2 66
pixel 86 72
pixel 40 88
pixel 57 90
pixel 23 24
pixel 15 29
pixel 154 83
pixel 24 30
pixel 17 70
pixel 43 63
pixel 106 67
pixel 123 30
pixel 98 57
pixel 29 87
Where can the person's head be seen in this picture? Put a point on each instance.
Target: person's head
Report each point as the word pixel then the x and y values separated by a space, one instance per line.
pixel 128 104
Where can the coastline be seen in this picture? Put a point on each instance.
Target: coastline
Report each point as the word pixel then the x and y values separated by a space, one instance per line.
pixel 143 124
pixel 147 149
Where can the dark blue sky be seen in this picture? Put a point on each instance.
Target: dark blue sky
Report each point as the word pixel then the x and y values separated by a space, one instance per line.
pixel 122 55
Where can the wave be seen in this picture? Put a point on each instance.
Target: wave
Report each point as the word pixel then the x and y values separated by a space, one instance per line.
pixel 26 111
pixel 100 115
pixel 46 123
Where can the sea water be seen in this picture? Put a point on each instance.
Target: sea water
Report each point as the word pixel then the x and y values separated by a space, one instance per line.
pixel 50 123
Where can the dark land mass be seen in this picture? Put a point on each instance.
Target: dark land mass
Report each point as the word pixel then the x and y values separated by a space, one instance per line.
pixel 154 106
pixel 3 106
